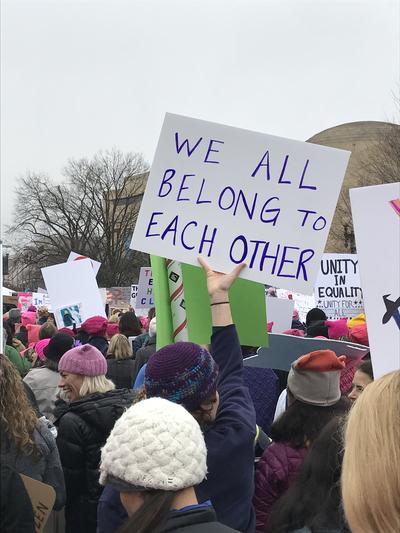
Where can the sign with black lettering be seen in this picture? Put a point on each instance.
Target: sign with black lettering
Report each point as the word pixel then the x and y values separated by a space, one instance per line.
pixel 144 296
pixel 42 497
pixel 338 290
pixel 237 196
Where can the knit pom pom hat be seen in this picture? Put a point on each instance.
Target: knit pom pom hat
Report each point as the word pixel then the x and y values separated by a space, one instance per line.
pixel 155 445
pixel 315 377
pixel 95 325
pixel 183 373
pixel 85 360
pixel 28 317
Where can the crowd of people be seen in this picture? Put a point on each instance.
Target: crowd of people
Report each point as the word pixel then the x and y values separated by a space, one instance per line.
pixel 138 440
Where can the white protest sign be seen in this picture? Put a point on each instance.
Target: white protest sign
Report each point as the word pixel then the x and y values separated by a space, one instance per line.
pixel 376 220
pixel 73 256
pixel 41 298
pixel 236 196
pixel 73 291
pixel 144 296
pixel 134 291
pixel 280 312
pixel 338 289
pixel 302 302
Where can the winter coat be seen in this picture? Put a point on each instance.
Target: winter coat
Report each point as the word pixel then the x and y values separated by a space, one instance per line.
pixel 83 428
pixel 46 467
pixel 144 354
pixel 99 342
pixel 16 513
pixel 230 445
pixel 195 519
pixel 121 372
pixel 44 385
pixel 276 470
pixel 21 363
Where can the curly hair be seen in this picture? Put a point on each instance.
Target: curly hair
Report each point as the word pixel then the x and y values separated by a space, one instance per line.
pixel 18 420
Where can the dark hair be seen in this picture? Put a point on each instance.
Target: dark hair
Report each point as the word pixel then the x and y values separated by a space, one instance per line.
pixel 151 314
pixel 152 515
pixel 315 314
pixel 314 499
pixel 366 367
pixel 303 422
pixel 47 330
pixel 51 364
pixel 7 328
pixel 129 325
pixel 317 328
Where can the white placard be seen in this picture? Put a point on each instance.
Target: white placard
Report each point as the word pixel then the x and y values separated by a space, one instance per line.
pixel 376 220
pixel 144 296
pixel 74 282
pixel 41 298
pixel 134 290
pixel 73 256
pixel 280 312
pixel 235 196
pixel 302 302
pixel 338 289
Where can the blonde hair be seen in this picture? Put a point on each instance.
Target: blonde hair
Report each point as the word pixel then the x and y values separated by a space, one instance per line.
pixel 371 464
pixel 93 384
pixel 120 347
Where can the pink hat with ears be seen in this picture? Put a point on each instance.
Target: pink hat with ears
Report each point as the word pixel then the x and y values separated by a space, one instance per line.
pixel 33 333
pixel 28 317
pixel 40 346
pixel 337 328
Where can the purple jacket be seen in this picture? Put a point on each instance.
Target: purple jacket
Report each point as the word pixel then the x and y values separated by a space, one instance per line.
pixel 230 444
pixel 276 470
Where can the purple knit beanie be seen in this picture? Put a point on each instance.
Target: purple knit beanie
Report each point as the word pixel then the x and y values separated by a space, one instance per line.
pixel 85 360
pixel 183 373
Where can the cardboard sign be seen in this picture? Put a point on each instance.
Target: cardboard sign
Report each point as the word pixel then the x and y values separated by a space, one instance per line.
pixel 280 312
pixel 42 497
pixel 73 256
pixel 284 349
pixel 302 302
pixel 236 196
pixel 338 289
pixel 376 220
pixel 144 297
pixel 73 283
pixel 24 300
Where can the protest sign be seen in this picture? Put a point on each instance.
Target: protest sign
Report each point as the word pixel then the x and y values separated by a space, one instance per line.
pixel 338 289
pixel 73 284
pixel 282 350
pixel 119 297
pixel 302 302
pixel 134 290
pixel 41 298
pixel 144 297
pixel 280 312
pixel 376 220
pixel 237 196
pixel 42 498
pixel 24 300
pixel 73 256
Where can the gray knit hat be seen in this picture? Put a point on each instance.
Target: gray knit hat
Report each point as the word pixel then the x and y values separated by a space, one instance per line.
pixel 156 444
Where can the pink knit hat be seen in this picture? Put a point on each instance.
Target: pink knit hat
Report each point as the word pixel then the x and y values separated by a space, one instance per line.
pixel 359 334
pixel 112 329
pixel 95 325
pixel 33 333
pixel 295 332
pixel 337 328
pixel 28 317
pixel 84 360
pixel 40 346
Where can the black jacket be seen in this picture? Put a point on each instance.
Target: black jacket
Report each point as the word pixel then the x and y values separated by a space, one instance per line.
pixel 16 514
pixel 143 355
pixel 99 342
pixel 83 428
pixel 121 372
pixel 200 520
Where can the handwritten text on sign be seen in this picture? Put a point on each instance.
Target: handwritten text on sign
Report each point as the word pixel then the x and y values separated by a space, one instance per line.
pixel 237 196
pixel 144 297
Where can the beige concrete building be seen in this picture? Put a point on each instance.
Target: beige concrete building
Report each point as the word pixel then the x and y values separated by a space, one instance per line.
pixel 361 138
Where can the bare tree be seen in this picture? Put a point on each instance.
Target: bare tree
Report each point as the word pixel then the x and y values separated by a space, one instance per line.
pixel 93 212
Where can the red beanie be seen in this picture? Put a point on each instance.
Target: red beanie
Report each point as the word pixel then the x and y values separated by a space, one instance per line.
pixel 95 325
pixel 321 361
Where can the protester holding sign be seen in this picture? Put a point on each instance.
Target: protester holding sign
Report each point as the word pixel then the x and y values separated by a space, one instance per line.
pixel 213 391
pixel 27 445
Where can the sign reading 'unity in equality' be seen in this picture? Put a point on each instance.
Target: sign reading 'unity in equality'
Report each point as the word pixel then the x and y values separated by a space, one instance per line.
pixel 237 196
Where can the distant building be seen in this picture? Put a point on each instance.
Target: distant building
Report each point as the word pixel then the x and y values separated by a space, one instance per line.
pixel 360 138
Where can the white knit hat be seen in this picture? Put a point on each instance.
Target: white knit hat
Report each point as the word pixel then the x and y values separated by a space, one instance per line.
pixel 156 444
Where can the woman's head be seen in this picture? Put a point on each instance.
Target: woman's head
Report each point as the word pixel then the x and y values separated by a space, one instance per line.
pixel 56 348
pixel 313 499
pixel 129 325
pixel 363 376
pixel 184 373
pixel 120 347
pixel 371 465
pixel 155 449
pixel 47 330
pixel 82 372
pixel 17 417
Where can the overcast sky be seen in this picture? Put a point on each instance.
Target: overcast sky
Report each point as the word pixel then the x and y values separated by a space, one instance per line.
pixel 78 76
